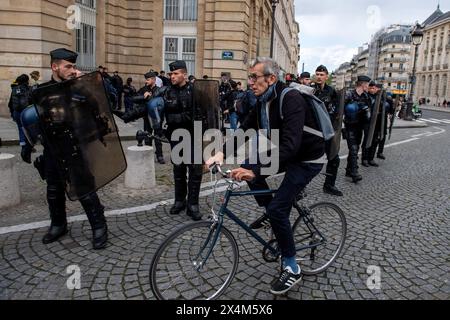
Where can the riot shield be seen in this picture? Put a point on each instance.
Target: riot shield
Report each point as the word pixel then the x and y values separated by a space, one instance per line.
pixel 383 117
pixel 373 120
pixel 79 129
pixel 206 99
pixel 337 124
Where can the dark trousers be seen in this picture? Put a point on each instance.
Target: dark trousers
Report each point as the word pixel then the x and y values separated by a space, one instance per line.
pixel 157 143
pixel 56 198
pixel 365 151
pixel 332 166
pixel 119 99
pixel 381 145
pixel 354 136
pixel 187 186
pixel 278 208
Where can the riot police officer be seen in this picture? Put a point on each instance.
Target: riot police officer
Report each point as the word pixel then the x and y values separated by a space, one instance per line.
pixel 63 68
pixel 389 112
pixel 357 114
pixel 329 97
pixel 368 154
pixel 180 113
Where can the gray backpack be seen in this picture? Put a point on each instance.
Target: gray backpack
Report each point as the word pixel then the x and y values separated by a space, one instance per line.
pixel 326 127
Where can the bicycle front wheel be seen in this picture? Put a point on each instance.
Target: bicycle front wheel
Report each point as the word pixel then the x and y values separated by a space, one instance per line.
pixel 192 265
pixel 319 237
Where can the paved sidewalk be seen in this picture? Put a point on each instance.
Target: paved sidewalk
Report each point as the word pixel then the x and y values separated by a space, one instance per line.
pixel 398 221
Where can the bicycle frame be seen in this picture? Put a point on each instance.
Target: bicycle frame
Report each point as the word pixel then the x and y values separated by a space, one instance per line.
pixel 226 212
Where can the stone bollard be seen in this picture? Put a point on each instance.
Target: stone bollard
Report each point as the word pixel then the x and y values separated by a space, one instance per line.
pixel 9 181
pixel 140 173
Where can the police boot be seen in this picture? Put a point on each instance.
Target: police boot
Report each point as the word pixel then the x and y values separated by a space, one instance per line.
pixel 330 181
pixel 195 181
pixel 381 156
pixel 179 172
pixel 365 163
pixel 95 213
pixel 332 190
pixel 373 163
pixel 57 207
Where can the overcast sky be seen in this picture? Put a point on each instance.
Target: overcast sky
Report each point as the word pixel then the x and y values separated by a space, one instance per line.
pixel 331 31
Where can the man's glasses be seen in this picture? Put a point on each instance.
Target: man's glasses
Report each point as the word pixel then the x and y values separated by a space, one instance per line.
pixel 254 77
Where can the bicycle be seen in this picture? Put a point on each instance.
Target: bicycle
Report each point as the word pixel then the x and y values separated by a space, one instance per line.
pixel 200 260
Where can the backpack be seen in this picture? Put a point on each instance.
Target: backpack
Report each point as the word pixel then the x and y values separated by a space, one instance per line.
pixel 326 127
pixel 20 97
pixel 239 103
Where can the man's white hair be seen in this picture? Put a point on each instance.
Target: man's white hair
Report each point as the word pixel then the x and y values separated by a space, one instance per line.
pixel 270 66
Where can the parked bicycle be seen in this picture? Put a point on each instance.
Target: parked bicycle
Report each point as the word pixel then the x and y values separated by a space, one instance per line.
pixel 199 261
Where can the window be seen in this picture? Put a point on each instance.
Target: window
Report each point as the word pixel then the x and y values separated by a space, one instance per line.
pixel 185 10
pixel 85 35
pixel 178 48
pixel 87 3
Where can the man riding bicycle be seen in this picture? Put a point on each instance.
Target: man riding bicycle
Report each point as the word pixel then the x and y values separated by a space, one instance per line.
pixel 301 156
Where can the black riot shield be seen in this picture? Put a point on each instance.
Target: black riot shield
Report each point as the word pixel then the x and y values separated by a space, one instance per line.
pixel 79 129
pixel 383 124
pixel 373 120
pixel 337 125
pixel 206 99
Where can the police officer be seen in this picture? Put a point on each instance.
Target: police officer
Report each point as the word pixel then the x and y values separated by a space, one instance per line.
pixel 63 68
pixel 357 114
pixel 389 113
pixel 330 98
pixel 180 113
pixel 368 154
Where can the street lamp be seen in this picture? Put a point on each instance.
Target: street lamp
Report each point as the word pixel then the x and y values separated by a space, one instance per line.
pixel 274 8
pixel 416 37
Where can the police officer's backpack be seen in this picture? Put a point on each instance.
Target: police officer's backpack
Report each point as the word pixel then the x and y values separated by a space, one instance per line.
pixel 20 97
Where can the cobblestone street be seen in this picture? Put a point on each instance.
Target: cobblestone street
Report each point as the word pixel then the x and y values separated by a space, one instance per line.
pixel 398 220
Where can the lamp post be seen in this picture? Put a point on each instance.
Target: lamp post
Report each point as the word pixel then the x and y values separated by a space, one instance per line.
pixel 274 8
pixel 416 37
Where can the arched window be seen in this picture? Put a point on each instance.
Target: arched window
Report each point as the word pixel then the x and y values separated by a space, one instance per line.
pixel 436 86
pixel 429 85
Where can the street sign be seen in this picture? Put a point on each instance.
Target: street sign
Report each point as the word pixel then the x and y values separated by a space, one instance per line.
pixel 227 55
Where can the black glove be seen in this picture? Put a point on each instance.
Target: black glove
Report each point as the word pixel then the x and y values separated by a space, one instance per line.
pixel 26 153
pixel 39 164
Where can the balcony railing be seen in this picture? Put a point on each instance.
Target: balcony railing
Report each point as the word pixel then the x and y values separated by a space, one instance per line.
pixel 445 66
pixel 395 59
pixel 430 68
pixel 397 79
pixel 396 50
pixel 437 67
pixel 394 69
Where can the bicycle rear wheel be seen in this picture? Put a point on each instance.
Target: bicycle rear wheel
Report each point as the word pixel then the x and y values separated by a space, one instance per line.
pixel 182 270
pixel 323 229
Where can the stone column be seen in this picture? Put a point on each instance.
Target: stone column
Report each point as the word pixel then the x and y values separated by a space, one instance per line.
pixel 9 181
pixel 140 173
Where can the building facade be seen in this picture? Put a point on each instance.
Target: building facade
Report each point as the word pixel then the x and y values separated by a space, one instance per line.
pixel 394 60
pixel 433 58
pixel 385 60
pixel 134 36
